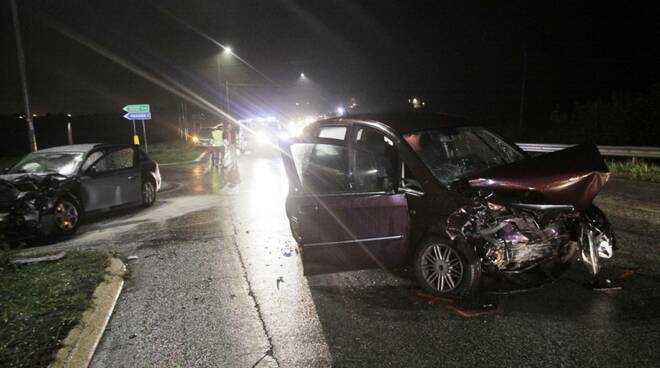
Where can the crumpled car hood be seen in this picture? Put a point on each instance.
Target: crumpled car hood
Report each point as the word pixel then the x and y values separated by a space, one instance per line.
pixel 14 177
pixel 12 185
pixel 573 176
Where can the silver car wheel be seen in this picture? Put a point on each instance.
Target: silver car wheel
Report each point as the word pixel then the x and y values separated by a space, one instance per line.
pixel 442 268
pixel 148 193
pixel 66 215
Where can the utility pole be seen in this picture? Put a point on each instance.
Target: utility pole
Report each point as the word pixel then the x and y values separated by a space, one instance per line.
pixel 21 69
pixel 522 89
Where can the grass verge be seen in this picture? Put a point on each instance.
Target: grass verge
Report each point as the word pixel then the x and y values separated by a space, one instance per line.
pixel 166 153
pixel 41 302
pixel 639 170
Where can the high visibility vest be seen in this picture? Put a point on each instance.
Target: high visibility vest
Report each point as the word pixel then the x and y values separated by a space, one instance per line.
pixel 218 138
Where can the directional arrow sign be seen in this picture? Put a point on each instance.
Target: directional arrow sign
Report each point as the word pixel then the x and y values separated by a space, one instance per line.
pixel 138 115
pixel 137 108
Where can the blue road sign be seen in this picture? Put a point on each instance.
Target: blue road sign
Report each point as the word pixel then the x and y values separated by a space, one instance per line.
pixel 138 116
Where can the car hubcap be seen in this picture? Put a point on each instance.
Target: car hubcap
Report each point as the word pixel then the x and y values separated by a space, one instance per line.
pixel 442 267
pixel 66 215
pixel 148 192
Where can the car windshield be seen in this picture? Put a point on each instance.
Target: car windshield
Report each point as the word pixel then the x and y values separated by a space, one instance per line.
pixel 453 153
pixel 63 163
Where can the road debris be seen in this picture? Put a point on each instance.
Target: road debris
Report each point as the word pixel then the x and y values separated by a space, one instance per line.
pixel 287 251
pixel 130 258
pixel 279 281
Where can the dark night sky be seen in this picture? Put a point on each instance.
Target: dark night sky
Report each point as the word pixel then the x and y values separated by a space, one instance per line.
pixel 461 57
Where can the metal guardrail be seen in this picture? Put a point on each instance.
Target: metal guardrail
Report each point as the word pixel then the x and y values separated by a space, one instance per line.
pixel 617 151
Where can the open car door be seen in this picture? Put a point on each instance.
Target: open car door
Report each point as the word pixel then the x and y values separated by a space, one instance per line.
pixel 338 226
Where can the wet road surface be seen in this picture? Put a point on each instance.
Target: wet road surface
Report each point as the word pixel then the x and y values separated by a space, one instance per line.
pixel 218 282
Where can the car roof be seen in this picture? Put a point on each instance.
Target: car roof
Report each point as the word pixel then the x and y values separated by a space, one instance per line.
pixel 403 122
pixel 81 147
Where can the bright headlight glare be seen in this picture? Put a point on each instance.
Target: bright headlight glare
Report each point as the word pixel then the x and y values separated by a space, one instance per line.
pixel 261 137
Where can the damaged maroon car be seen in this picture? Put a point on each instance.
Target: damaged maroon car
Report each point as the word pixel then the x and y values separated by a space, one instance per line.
pixel 452 199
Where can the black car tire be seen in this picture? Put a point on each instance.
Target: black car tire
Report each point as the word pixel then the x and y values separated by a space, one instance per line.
pixel 66 217
pixel 447 268
pixel 295 232
pixel 148 193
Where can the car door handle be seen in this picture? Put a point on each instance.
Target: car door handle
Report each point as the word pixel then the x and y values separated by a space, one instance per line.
pixel 132 177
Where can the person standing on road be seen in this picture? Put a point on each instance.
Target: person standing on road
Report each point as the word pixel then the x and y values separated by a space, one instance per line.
pixel 218 146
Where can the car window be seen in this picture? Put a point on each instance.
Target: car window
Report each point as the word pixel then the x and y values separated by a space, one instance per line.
pixel 64 163
pixel 333 132
pixel 454 153
pixel 117 160
pixel 322 168
pixel 91 159
pixel 376 159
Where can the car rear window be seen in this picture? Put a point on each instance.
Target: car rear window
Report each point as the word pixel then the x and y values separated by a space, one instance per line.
pixel 333 132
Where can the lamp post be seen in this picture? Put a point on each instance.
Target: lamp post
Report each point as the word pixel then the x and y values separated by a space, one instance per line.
pixel 21 69
pixel 227 52
pixel 69 132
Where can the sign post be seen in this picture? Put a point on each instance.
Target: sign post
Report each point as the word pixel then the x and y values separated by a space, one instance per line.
pixel 144 134
pixel 138 112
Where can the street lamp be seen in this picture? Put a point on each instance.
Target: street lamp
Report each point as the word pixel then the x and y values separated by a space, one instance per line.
pixel 69 131
pixel 302 75
pixel 227 51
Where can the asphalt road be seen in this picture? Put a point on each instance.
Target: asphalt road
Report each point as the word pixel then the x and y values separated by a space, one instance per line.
pixel 217 282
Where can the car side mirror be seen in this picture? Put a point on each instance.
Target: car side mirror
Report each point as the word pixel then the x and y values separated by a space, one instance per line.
pixel 412 187
pixel 91 171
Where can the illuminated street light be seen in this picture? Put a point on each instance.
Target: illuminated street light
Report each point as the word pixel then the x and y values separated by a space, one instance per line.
pixel 340 111
pixel 228 50
pixel 302 75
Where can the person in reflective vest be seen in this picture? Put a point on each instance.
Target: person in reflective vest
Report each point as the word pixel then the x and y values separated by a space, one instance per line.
pixel 217 147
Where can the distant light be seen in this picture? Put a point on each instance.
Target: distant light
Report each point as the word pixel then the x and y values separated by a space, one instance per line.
pixel 34 115
pixel 69 115
pixel 417 103
pixel 261 137
pixel 302 75
pixel 228 50
pixel 340 111
pixel 309 119
pixel 195 139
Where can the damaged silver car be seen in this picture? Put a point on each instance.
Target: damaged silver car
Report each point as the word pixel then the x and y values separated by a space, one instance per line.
pixel 435 192
pixel 49 192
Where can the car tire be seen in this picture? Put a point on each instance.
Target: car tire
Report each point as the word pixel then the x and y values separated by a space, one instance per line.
pixel 447 268
pixel 148 193
pixel 66 217
pixel 295 231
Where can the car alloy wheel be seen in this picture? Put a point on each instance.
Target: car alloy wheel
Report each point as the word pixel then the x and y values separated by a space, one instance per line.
pixel 447 268
pixel 148 193
pixel 66 216
pixel 442 268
